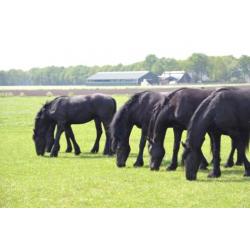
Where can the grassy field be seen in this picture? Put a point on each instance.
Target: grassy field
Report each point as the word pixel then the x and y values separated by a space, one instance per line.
pixel 27 180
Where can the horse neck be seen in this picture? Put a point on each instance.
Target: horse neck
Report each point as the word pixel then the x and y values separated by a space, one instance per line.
pixel 160 126
pixel 126 124
pixel 199 125
pixel 121 126
pixel 42 122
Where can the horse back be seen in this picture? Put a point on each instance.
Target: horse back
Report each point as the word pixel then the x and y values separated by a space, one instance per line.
pixel 81 109
pixel 185 102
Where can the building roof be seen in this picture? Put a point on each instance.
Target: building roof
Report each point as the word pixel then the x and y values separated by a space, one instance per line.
pixel 123 75
pixel 175 74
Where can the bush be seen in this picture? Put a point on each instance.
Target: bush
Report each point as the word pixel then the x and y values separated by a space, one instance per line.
pixel 6 94
pixel 49 94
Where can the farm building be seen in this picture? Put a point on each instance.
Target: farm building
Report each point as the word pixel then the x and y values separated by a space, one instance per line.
pixel 119 78
pixel 175 77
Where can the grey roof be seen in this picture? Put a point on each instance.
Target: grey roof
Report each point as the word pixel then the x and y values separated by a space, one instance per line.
pixel 123 75
pixel 175 74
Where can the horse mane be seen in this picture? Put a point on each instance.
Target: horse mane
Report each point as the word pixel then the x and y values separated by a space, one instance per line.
pixel 156 111
pixel 196 130
pixel 120 120
pixel 41 115
pixel 201 108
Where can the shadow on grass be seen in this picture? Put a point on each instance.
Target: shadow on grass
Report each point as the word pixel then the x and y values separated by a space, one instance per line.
pixel 82 155
pixel 233 171
pixel 243 179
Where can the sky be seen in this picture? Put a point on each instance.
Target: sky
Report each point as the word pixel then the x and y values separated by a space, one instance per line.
pixel 39 33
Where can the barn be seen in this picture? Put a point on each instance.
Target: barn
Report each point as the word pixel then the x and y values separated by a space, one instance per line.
pixel 174 77
pixel 122 78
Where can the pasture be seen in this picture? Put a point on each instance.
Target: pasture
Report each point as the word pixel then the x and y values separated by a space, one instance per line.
pixel 93 180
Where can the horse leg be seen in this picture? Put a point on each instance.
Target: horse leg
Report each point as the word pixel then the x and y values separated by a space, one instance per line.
pixel 242 145
pixel 177 139
pixel 139 161
pixel 204 163
pixel 216 156
pixel 230 161
pixel 69 146
pixel 107 148
pixel 70 134
pixel 56 146
pixel 239 160
pixel 50 137
pixel 98 127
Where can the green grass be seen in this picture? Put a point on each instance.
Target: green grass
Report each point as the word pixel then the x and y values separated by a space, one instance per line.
pixel 27 180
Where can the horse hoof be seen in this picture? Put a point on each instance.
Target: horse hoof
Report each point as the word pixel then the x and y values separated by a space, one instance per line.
pixel 138 164
pixel 53 154
pixel 68 150
pixel 94 151
pixel 171 168
pixel 214 175
pixel 77 152
pixel 154 169
pixel 239 163
pixel 229 164
pixel 203 166
pixel 247 174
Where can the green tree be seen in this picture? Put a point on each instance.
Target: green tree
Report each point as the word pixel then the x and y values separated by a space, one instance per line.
pixel 150 61
pixel 198 64
pixel 244 66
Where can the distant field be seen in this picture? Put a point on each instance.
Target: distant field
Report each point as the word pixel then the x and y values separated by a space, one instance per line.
pixel 80 89
pixel 117 87
pixel 27 180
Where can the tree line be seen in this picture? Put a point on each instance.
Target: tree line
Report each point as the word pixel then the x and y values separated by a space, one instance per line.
pixel 202 68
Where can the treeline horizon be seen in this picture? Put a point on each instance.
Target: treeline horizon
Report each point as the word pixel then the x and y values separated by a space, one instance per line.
pixel 203 68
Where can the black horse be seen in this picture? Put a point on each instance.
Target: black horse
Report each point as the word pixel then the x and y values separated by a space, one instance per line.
pixel 226 111
pixel 176 112
pixel 64 111
pixel 136 111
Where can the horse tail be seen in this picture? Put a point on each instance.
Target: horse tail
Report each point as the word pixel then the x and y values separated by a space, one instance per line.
pixel 115 106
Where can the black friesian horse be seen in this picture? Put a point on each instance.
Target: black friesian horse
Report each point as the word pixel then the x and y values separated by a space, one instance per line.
pixel 176 112
pixel 226 111
pixel 136 111
pixel 64 111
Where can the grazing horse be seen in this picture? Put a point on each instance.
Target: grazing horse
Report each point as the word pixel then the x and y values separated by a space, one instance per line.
pixel 64 111
pixel 136 111
pixel 226 111
pixel 176 112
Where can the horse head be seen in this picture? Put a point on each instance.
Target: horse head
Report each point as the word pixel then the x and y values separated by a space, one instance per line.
pixel 40 130
pixel 192 159
pixel 120 131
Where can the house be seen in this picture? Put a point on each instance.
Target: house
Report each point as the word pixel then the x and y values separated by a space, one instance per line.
pixel 175 77
pixel 122 78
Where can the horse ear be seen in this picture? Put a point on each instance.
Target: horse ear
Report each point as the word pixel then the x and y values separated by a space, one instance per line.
pixel 184 145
